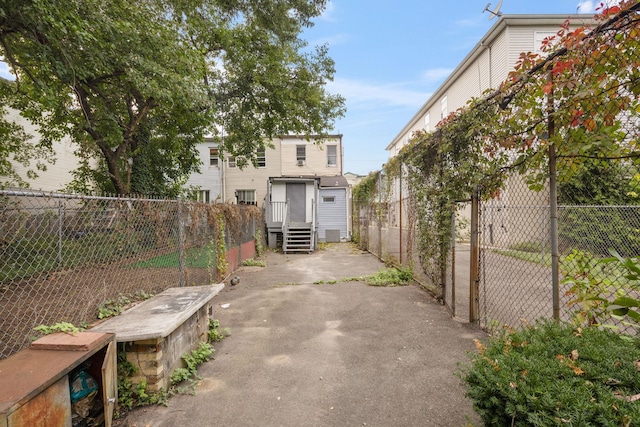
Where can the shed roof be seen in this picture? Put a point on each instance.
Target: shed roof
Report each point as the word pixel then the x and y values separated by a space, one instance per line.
pixel 337 181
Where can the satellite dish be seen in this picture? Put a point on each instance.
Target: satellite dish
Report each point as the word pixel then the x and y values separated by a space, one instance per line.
pixel 495 12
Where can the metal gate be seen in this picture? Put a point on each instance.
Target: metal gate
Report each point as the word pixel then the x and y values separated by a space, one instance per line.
pixel 514 278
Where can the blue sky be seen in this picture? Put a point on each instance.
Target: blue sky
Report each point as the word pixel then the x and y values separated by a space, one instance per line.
pixel 390 56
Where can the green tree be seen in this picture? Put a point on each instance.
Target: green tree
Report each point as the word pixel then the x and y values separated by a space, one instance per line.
pixel 138 84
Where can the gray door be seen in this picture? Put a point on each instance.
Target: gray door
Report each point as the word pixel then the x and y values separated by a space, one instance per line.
pixel 297 196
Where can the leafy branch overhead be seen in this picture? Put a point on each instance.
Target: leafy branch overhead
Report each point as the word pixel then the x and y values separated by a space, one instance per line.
pixel 137 84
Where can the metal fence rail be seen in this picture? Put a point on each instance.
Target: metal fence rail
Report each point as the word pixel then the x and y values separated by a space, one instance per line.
pixel 63 257
pixel 515 258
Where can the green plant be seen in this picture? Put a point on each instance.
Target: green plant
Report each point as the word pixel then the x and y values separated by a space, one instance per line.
pixel 388 276
pixel 130 395
pixel 551 374
pixel 222 265
pixel 601 289
pixel 215 334
pixel 259 247
pixel 189 373
pixel 252 262
pixel 116 307
pixel 65 327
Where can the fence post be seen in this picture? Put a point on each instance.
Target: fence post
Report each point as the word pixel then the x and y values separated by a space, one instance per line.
pixel 400 209
pixel 453 261
pixel 553 204
pixel 181 245
pixel 474 267
pixel 60 213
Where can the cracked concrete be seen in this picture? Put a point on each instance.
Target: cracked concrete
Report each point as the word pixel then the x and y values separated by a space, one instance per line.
pixel 343 354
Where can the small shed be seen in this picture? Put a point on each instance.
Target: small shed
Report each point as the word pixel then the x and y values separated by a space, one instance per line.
pixel 333 209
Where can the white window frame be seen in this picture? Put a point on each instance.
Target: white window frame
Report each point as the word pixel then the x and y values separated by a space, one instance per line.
pixel 246 197
pixel 427 122
pixel 538 37
pixel 261 158
pixel 329 199
pixel 214 157
pixel 444 108
pixel 204 196
pixel 231 162
pixel 301 152
pixel 333 156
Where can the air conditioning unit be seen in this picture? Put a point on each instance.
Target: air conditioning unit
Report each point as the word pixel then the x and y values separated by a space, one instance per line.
pixel 300 162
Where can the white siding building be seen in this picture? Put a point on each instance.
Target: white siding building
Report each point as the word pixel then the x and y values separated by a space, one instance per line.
pixel 57 175
pixel 209 180
pixel 485 67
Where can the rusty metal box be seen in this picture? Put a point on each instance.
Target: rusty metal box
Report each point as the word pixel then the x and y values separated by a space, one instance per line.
pixel 34 383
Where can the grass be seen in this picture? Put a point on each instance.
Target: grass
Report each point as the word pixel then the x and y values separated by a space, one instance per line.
pixel 195 257
pixel 527 256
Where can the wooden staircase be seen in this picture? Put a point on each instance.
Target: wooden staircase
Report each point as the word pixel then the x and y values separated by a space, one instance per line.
pixel 297 238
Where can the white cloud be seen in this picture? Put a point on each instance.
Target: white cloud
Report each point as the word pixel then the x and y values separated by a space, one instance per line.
pixel 375 95
pixel 435 75
pixel 333 40
pixel 586 7
pixel 327 14
pixel 589 6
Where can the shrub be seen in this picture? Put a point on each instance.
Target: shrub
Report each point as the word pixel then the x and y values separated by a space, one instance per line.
pixel 554 374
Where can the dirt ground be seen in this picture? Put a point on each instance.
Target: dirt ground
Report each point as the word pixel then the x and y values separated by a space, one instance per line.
pixel 74 296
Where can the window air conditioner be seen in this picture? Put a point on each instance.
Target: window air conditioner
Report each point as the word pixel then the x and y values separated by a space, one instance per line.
pixel 300 162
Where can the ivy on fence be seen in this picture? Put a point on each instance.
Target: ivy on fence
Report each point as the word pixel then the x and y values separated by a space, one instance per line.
pixel 579 99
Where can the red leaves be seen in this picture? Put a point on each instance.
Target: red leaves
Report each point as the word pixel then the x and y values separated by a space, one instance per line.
pixel 561 67
pixel 590 124
pixel 576 118
pixel 609 11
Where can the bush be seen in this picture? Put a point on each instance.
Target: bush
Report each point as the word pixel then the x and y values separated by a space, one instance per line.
pixel 599 229
pixel 552 374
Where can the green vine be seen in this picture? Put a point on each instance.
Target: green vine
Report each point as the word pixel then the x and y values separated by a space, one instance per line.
pixel 222 265
pixel 257 236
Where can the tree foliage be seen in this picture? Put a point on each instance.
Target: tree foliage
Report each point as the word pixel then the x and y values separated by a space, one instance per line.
pixel 137 84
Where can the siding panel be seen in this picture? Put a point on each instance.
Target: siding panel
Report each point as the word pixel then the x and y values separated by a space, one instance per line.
pixel 332 216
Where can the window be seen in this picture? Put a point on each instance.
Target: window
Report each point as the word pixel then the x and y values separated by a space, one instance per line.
pixel 328 199
pixel 246 197
pixel 539 37
pixel 427 122
pixel 443 107
pixel 261 158
pixel 231 160
pixel 213 157
pixel 332 155
pixel 301 153
pixel 203 196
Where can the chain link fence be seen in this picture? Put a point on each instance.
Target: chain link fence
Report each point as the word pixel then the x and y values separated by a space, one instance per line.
pixel 67 258
pixel 552 159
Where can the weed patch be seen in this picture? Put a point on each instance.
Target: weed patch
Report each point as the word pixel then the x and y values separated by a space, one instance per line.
pixel 252 262
pixel 388 276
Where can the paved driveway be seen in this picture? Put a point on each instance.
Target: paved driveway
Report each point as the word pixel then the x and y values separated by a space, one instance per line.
pixel 323 354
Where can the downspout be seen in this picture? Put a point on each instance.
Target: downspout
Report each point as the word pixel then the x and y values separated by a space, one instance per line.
pixel 400 254
pixel 341 157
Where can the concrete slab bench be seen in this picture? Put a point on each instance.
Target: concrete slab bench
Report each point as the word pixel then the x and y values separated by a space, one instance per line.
pixel 157 332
